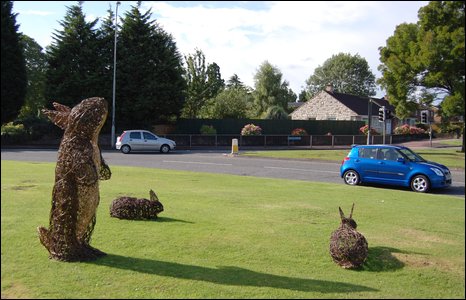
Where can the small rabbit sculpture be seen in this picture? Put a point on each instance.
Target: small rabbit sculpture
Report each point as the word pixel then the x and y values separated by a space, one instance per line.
pixel 348 247
pixel 136 209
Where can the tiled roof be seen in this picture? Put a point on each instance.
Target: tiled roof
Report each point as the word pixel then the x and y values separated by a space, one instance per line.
pixel 360 105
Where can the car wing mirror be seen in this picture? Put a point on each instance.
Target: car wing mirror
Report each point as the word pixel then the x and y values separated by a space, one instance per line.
pixel 400 159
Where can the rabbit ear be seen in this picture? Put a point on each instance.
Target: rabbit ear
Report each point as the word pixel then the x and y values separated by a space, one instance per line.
pixel 59 116
pixel 351 214
pixel 153 196
pixel 342 215
pixel 61 107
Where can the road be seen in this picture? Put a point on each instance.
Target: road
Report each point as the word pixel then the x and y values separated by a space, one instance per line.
pixel 222 162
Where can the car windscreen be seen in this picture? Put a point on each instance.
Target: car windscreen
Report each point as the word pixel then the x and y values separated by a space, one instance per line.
pixel 411 155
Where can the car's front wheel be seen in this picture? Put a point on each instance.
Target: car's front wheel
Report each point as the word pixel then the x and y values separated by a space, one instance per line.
pixel 125 149
pixel 165 148
pixel 420 183
pixel 351 177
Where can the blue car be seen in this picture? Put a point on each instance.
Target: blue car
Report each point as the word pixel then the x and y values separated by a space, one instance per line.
pixel 393 165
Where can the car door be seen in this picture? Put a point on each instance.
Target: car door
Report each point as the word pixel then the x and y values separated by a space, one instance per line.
pixel 392 171
pixel 135 141
pixel 367 164
pixel 151 142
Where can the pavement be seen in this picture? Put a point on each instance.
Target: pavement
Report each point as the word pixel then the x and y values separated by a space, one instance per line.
pixel 435 143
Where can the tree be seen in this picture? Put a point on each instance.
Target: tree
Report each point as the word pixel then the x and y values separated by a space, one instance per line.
pixel 13 68
pixel 427 58
pixel 234 81
pixel 203 83
pixel 270 90
pixel 232 103
pixel 36 66
pixel 275 112
pixel 73 58
pixel 150 83
pixel 349 74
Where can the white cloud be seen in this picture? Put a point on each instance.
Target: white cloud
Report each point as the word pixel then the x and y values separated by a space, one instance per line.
pixel 35 12
pixel 296 37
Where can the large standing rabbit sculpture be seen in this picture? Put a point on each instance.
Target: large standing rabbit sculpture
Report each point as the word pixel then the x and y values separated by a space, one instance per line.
pixel 79 168
pixel 348 247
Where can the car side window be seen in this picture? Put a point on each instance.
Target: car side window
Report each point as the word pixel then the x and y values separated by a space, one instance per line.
pixel 135 135
pixel 390 154
pixel 370 153
pixel 148 136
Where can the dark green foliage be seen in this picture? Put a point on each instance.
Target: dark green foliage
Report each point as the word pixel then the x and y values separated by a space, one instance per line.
pixel 150 83
pixel 349 74
pixel 204 82
pixel 231 103
pixel 270 90
pixel 276 112
pixel 36 66
pixel 13 67
pixel 73 60
pixel 428 56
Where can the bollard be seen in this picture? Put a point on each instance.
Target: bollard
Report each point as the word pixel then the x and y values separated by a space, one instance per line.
pixel 234 146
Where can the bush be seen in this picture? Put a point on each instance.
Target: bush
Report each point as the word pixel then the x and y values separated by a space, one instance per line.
pixel 299 132
pixel 208 129
pixel 251 129
pixel 364 129
pixel 406 129
pixel 13 129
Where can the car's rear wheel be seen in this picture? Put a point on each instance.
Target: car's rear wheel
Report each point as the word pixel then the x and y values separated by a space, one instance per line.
pixel 125 149
pixel 351 177
pixel 420 183
pixel 165 148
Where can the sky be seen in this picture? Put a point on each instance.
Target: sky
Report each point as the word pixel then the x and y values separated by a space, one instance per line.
pixel 295 37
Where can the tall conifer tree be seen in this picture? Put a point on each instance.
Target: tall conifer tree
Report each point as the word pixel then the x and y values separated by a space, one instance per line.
pixel 150 79
pixel 73 60
pixel 13 65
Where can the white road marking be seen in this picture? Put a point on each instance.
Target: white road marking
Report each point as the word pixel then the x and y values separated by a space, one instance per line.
pixel 305 170
pixel 195 162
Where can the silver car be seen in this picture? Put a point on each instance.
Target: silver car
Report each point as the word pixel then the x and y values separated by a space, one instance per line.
pixel 143 140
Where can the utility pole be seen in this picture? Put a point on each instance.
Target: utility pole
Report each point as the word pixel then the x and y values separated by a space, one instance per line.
pixel 114 76
pixel 369 117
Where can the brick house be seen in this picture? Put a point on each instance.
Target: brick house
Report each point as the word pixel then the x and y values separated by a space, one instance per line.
pixel 330 105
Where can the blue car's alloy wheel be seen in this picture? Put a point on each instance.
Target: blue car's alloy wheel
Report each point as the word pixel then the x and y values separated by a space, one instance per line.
pixel 351 177
pixel 420 183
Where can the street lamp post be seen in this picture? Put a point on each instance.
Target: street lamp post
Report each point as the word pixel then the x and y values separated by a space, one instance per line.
pixel 114 76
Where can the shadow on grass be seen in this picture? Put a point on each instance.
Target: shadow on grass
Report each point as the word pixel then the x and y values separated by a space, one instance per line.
pixel 165 219
pixel 227 275
pixel 381 259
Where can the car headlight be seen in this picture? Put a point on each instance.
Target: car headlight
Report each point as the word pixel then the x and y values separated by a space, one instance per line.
pixel 437 171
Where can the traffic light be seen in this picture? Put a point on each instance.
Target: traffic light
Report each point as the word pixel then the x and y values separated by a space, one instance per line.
pixel 424 116
pixel 382 114
pixel 388 114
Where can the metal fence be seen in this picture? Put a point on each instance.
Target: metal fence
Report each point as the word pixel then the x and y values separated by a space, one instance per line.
pixel 308 141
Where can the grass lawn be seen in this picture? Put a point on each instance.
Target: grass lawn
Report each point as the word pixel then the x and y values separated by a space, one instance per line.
pixel 452 158
pixel 226 236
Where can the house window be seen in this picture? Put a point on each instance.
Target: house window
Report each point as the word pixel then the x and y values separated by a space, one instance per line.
pixel 312 118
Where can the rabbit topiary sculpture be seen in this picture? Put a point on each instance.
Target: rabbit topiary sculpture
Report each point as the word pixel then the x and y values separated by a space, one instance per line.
pixel 348 247
pixel 132 208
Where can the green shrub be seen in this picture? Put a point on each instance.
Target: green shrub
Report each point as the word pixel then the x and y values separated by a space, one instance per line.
pixel 208 129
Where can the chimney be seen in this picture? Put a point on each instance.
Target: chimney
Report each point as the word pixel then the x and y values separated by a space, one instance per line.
pixel 329 88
